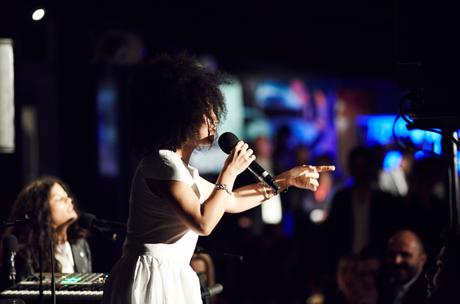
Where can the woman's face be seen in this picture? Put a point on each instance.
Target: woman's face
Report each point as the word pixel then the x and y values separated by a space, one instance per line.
pixel 208 131
pixel 61 207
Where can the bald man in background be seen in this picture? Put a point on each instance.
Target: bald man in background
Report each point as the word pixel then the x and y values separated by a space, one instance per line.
pixel 402 279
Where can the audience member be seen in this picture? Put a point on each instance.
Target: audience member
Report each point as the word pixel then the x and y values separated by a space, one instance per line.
pixel 361 215
pixel 368 269
pixel 283 148
pixel 356 281
pixel 395 181
pixel 401 281
pixel 346 279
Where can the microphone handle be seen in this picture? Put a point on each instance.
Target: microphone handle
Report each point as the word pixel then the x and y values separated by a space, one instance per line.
pixel 263 176
pixel 212 290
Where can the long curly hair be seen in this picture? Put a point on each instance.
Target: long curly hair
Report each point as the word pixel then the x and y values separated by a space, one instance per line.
pixel 170 97
pixel 35 235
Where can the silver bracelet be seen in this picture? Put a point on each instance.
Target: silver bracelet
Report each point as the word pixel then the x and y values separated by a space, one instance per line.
pixel 223 187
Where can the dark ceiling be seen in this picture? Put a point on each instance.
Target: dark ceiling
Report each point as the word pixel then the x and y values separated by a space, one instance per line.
pixel 357 36
pixel 349 36
pixel 332 35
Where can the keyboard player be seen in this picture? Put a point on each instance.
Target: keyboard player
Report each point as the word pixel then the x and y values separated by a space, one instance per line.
pixel 51 216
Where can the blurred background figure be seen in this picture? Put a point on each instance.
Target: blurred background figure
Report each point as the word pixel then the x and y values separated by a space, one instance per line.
pixel 356 280
pixel 271 210
pixel 361 215
pixel 283 150
pixel 346 279
pixel 444 277
pixel 395 181
pixel 368 270
pixel 52 212
pixel 401 281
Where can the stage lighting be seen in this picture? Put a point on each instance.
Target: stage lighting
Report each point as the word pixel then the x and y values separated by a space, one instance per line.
pixel 6 96
pixel 38 14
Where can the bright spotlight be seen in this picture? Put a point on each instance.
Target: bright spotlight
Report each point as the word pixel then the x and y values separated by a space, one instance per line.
pixel 38 14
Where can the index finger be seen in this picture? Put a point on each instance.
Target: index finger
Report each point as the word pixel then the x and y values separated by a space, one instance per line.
pixel 324 168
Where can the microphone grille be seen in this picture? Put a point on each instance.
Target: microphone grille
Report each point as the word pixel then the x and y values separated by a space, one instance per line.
pixel 227 141
pixel 216 289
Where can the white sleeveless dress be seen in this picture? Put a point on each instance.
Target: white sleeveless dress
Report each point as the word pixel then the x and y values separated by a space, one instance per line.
pixel 155 265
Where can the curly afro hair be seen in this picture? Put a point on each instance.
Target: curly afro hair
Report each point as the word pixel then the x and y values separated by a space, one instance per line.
pixel 170 97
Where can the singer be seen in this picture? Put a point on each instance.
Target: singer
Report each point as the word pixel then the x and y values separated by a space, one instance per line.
pixel 176 105
pixel 49 205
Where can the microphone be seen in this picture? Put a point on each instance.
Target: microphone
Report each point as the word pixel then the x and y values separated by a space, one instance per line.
pixel 88 221
pixel 91 222
pixel 228 141
pixel 212 290
pixel 10 245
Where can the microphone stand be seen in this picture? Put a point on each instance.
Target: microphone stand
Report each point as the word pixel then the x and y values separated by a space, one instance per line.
pixel 12 274
pixel 53 275
pixel 449 148
pixel 10 244
pixel 203 287
pixel 40 285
